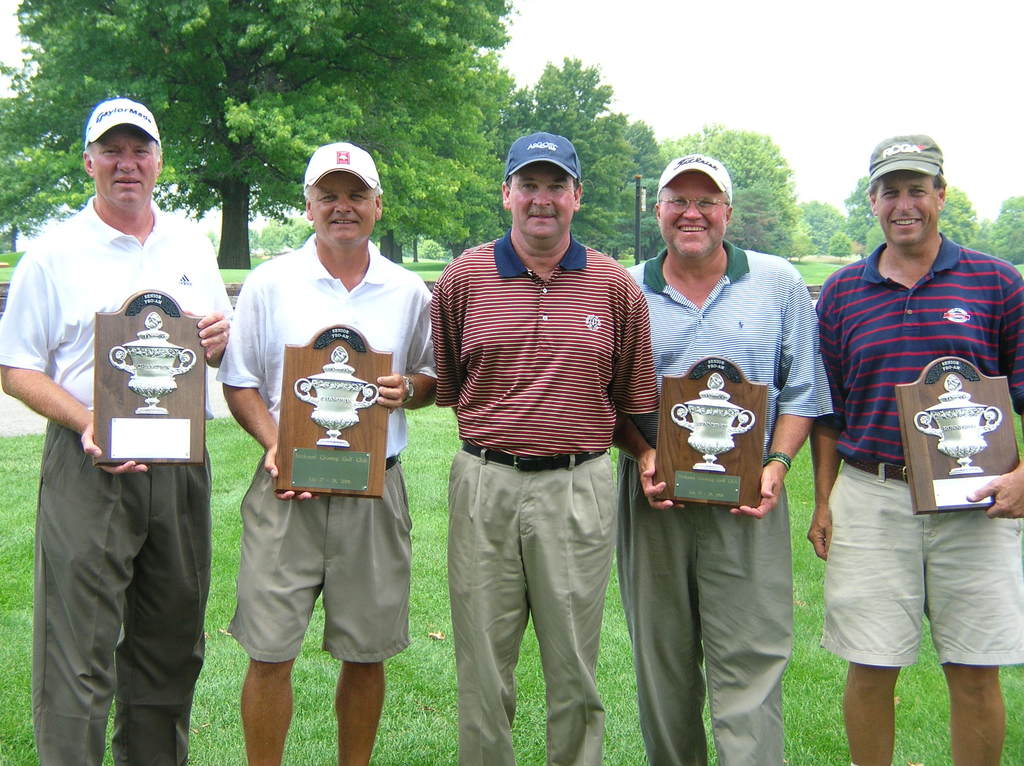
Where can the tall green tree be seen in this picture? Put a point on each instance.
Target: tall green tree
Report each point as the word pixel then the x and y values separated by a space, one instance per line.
pixel 244 91
pixel 571 101
pixel 958 220
pixel 840 244
pixel 861 225
pixel 823 221
pixel 756 166
pixel 1008 231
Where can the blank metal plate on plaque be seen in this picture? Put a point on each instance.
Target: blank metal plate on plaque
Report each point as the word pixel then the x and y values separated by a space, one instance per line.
pixel 147 409
pixel 965 443
pixel 711 398
pixel 302 463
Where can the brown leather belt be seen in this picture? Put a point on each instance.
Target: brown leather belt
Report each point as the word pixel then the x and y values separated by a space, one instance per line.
pixel 530 463
pixel 883 471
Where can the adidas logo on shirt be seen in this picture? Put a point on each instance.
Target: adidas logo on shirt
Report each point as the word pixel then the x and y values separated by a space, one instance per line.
pixel 185 281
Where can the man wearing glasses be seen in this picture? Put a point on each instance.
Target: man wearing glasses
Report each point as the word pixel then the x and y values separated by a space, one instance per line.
pixel 705 582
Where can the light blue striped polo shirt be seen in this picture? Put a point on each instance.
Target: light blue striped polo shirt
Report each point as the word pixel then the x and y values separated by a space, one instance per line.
pixel 759 316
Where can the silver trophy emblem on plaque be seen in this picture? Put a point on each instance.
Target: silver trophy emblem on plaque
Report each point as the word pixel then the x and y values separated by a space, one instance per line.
pixel 960 425
pixel 338 395
pixel 151 362
pixel 714 420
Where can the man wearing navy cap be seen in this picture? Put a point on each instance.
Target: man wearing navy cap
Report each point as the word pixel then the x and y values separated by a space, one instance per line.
pixel 540 343
pixel 918 297
pixel 122 552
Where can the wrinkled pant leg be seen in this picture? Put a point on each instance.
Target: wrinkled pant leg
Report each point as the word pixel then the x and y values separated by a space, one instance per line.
pixel 86 538
pixel 488 604
pixel 161 653
pixel 656 560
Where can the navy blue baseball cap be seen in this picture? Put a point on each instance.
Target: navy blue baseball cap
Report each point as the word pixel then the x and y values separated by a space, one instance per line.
pixel 543 147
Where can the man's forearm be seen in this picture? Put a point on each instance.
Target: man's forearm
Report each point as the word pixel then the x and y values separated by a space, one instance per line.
pixel 249 409
pixel 826 460
pixel 43 395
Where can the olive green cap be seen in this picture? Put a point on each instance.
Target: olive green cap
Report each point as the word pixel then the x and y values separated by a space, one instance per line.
pixel 919 154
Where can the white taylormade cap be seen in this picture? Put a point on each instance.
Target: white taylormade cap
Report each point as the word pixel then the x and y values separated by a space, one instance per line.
pixel 119 111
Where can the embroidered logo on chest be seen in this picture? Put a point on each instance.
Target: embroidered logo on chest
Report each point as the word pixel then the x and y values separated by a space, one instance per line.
pixel 593 321
pixel 958 315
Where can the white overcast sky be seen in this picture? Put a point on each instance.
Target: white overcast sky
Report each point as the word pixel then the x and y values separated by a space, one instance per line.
pixel 826 80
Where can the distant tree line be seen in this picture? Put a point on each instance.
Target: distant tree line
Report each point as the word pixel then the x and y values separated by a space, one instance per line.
pixel 244 92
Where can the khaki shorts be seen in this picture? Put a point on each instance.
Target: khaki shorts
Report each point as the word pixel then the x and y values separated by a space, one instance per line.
pixel 887 568
pixel 354 550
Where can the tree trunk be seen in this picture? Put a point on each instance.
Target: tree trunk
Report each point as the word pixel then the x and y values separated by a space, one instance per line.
pixel 389 248
pixel 415 250
pixel 234 230
pixel 14 239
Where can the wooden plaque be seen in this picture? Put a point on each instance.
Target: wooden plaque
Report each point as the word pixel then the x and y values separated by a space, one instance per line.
pixel 149 384
pixel 352 460
pixel 718 402
pixel 958 434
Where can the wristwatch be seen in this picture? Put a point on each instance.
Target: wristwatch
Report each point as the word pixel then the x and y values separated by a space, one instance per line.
pixel 410 388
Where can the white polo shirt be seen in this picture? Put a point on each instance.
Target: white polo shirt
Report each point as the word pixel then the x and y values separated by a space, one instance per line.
pixel 84 266
pixel 291 298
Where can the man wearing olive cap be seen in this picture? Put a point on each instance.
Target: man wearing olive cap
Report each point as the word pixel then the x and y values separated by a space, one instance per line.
pixel 918 297
pixel 540 343
pixel 122 552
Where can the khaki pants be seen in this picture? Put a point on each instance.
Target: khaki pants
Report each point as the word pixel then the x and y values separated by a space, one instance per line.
pixel 524 544
pixel 702 587
pixel 121 577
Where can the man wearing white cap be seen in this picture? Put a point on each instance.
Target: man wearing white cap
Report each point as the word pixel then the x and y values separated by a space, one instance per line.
pixel 122 552
pixel 355 551
pixel 704 583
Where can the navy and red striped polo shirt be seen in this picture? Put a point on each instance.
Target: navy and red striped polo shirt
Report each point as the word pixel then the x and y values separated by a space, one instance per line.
pixel 540 367
pixel 875 333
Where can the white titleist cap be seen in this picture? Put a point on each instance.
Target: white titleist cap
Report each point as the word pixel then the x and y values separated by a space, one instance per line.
pixel 119 111
pixel 346 157
pixel 698 163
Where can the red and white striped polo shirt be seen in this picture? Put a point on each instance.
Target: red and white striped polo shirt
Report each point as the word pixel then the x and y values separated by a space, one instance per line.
pixel 538 367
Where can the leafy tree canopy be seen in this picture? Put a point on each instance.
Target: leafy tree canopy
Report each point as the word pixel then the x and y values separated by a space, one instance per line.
pixel 823 221
pixel 243 93
pixel 1007 234
pixel 958 221
pixel 859 218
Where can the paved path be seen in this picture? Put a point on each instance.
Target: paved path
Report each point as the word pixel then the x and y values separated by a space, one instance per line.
pixel 16 419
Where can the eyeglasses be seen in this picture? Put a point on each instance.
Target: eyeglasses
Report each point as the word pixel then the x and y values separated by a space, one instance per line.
pixel 704 205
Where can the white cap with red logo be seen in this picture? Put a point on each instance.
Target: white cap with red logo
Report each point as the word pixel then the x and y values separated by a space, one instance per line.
pixel 345 157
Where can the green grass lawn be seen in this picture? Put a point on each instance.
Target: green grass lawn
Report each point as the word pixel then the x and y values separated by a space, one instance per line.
pixel 419 723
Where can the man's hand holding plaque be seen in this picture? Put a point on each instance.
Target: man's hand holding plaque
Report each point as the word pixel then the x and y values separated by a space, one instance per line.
pixel 150 383
pixel 332 439
pixel 957 432
pixel 711 435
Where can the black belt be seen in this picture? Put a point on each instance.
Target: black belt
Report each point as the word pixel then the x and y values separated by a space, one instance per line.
pixel 390 462
pixel 880 470
pixel 529 462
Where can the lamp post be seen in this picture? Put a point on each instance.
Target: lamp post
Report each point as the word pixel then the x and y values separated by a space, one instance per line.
pixel 636 219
